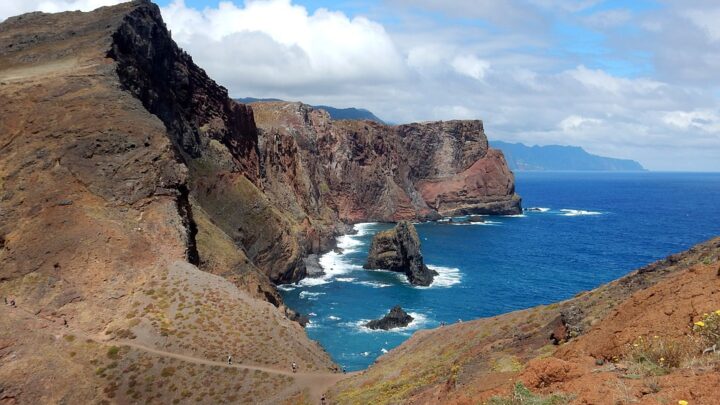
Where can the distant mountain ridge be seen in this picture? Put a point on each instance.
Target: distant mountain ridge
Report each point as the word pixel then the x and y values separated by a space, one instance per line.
pixel 560 158
pixel 335 113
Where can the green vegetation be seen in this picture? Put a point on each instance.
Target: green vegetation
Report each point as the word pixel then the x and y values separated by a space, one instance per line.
pixel 113 352
pixel 709 328
pixel 521 395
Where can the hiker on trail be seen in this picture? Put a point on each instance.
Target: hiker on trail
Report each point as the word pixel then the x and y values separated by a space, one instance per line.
pixel 344 370
pixel 12 303
pixel 65 322
pixel 294 367
pixel 229 360
pixel 322 400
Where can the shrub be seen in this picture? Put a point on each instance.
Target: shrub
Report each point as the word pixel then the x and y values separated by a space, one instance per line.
pixel 113 352
pixel 657 355
pixel 521 395
pixel 708 328
pixel 168 372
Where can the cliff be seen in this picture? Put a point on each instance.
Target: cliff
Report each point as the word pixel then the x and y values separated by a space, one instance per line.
pixel 357 171
pixel 125 172
pixel 398 249
pixel 645 338
pixel 351 113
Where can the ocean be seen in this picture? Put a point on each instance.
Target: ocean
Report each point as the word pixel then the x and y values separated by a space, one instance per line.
pixel 586 229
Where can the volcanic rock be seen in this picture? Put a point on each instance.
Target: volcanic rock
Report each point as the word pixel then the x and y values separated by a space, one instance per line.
pixel 396 318
pixel 360 171
pixel 398 249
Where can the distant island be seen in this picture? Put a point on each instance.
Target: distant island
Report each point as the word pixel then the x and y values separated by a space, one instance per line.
pixel 335 113
pixel 560 158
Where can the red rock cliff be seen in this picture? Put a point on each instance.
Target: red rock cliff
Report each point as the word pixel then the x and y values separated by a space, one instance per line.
pixel 365 171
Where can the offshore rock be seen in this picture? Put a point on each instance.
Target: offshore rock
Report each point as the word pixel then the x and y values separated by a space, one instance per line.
pixel 398 249
pixel 396 318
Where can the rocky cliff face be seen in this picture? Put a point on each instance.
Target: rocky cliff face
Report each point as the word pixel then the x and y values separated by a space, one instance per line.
pixel 123 169
pixel 365 171
pixel 398 249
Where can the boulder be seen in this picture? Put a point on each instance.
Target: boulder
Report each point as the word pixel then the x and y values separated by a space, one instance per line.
pixel 396 318
pixel 398 249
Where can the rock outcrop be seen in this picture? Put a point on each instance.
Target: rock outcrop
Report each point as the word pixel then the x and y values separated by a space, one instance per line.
pixel 398 249
pixel 396 318
pixel 356 171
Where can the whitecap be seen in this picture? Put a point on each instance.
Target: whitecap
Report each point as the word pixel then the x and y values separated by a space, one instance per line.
pixel 345 279
pixel 384 350
pixel 365 354
pixel 484 223
pixel 333 318
pixel 374 284
pixel 537 209
pixel 313 281
pixel 312 314
pixel 363 228
pixel 576 213
pixel 514 216
pixel 446 277
pixel 286 287
pixel 312 296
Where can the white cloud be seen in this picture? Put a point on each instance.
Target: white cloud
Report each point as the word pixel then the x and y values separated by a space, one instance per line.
pixel 705 120
pixel 575 122
pixel 471 66
pixel 597 79
pixel 707 21
pixel 273 43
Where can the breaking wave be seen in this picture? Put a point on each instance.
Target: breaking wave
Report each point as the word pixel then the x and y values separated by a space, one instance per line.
pixel 577 213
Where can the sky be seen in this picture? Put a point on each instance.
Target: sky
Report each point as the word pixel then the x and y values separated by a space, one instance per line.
pixel 633 79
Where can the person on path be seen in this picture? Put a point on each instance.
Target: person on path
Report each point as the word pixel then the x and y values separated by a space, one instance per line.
pixel 229 359
pixel 322 400
pixel 12 303
pixel 294 367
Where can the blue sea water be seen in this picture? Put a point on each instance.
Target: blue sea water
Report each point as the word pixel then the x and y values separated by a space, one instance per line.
pixel 593 228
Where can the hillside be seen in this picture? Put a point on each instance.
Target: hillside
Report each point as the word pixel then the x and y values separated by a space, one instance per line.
pixel 560 158
pixel 351 113
pixel 639 339
pixel 146 218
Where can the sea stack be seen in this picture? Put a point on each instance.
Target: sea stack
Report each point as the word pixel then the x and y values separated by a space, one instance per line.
pixel 396 318
pixel 398 249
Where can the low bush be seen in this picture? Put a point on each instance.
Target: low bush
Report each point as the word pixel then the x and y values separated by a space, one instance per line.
pixel 521 395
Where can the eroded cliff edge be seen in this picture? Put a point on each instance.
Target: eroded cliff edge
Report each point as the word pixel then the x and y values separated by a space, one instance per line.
pixel 359 171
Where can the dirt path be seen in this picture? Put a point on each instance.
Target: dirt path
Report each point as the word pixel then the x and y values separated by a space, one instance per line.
pixel 316 384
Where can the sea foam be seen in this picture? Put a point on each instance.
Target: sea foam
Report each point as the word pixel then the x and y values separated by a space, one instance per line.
pixel 447 276
pixel 577 213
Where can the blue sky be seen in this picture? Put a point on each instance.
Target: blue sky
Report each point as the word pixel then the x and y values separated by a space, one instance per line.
pixel 632 79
